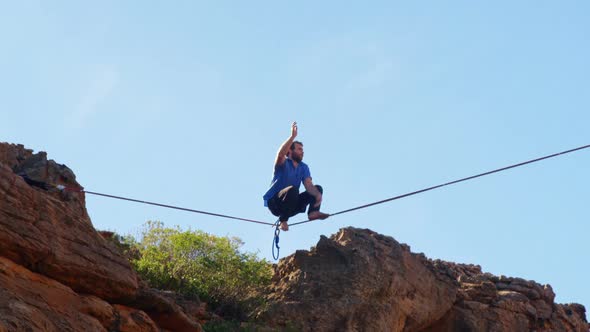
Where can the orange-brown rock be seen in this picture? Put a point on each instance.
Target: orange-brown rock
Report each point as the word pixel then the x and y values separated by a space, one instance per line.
pixel 51 234
pixel 133 320
pixel 489 303
pixel 162 307
pixel 359 280
pixel 32 302
pixel 57 272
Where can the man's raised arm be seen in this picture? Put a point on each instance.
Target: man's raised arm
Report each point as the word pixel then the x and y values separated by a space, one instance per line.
pixel 282 153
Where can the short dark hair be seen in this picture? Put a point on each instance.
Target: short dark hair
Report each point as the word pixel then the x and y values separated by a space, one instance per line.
pixel 293 144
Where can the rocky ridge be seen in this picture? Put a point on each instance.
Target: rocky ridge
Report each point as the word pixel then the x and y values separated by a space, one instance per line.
pixel 359 280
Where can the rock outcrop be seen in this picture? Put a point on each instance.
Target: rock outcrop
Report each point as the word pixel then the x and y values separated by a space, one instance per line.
pixel 33 302
pixel 56 272
pixel 490 303
pixel 359 280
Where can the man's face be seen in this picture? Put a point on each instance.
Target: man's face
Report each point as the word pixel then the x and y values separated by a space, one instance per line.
pixel 297 153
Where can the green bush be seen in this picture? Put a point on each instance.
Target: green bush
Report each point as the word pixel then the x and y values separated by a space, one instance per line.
pixel 193 262
pixel 126 244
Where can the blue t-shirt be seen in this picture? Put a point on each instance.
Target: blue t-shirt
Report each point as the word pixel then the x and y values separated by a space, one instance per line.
pixel 286 175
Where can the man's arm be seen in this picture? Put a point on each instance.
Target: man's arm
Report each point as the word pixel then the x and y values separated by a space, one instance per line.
pixel 282 153
pixel 312 190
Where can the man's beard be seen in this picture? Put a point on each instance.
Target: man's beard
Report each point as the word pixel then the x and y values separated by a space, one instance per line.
pixel 296 158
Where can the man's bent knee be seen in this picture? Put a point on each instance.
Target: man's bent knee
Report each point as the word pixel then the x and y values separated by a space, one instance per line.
pixel 319 188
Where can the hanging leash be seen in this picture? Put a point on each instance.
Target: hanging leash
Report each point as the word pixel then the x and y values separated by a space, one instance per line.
pixel 275 241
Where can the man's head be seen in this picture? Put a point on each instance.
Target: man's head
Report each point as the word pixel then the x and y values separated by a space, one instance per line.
pixel 296 151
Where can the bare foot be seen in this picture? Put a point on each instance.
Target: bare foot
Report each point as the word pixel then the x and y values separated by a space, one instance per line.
pixel 317 215
pixel 284 226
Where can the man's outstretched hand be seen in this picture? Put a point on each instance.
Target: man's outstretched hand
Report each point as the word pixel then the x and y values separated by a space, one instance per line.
pixel 294 130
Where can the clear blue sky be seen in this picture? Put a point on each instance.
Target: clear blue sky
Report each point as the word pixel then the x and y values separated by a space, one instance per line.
pixel 186 103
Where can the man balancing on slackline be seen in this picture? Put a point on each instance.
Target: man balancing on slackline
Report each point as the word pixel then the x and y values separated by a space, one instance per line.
pixel 283 198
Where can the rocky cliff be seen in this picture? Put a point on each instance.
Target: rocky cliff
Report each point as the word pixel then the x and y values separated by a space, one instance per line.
pixel 358 280
pixel 57 273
